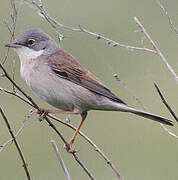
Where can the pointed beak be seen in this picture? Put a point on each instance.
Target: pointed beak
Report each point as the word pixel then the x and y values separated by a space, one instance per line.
pixel 13 45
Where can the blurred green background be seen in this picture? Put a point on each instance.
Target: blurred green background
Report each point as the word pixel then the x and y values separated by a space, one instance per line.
pixel 139 148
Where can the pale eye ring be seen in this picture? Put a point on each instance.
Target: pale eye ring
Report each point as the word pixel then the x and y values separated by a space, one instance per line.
pixel 31 42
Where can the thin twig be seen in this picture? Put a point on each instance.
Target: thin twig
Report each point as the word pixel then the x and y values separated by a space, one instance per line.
pixel 170 110
pixel 17 95
pixel 169 18
pixel 12 29
pixel 108 41
pixel 158 52
pixel 96 148
pixel 122 83
pixel 165 102
pixel 83 166
pixel 16 144
pixel 58 154
pixel 18 132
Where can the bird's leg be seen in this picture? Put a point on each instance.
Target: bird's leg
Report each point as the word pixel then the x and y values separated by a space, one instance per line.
pixel 43 112
pixel 84 115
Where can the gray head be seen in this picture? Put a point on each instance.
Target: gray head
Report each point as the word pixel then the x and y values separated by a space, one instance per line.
pixel 34 41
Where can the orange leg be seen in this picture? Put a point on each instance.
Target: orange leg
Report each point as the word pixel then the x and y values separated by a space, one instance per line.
pixel 84 115
pixel 43 113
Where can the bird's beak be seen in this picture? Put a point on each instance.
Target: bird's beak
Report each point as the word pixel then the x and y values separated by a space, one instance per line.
pixel 13 45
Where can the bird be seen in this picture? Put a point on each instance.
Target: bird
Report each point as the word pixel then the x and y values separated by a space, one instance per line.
pixel 57 78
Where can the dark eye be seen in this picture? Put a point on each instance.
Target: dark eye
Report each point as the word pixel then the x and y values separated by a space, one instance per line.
pixel 30 42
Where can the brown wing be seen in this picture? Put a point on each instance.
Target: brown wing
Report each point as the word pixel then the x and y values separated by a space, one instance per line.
pixel 65 66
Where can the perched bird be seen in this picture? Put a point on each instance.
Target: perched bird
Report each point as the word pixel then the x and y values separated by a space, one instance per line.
pixel 57 78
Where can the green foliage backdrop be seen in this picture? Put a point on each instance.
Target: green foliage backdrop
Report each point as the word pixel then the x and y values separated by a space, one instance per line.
pixel 140 149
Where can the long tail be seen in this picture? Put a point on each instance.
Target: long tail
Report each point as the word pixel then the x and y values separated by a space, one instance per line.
pixel 145 114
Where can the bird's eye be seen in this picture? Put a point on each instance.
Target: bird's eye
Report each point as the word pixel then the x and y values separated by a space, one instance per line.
pixel 30 42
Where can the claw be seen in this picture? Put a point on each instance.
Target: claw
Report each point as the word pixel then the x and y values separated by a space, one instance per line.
pixel 69 148
pixel 41 114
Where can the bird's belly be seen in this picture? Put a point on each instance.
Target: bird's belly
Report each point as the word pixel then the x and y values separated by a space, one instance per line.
pixel 57 95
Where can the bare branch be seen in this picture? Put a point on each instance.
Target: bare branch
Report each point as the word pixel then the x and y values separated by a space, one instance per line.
pixel 58 154
pixel 110 42
pixel 169 18
pixel 170 110
pixel 18 132
pixel 17 95
pixel 42 12
pixel 12 29
pixel 16 144
pixel 158 52
pixel 67 145
pixel 83 166
pixel 165 102
pixel 92 144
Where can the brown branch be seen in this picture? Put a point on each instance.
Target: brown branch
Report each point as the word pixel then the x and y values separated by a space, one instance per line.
pixel 67 146
pixel 158 52
pixel 83 166
pixel 58 154
pixel 76 158
pixel 96 148
pixel 16 144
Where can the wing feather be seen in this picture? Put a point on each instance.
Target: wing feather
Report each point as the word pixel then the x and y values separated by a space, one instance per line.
pixel 65 66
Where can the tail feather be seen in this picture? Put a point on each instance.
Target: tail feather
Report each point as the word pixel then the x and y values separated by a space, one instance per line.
pixel 154 117
pixel 145 114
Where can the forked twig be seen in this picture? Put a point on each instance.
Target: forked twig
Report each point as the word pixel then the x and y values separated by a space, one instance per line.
pixel 16 144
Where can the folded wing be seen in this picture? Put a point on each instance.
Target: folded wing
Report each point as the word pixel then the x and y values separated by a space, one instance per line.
pixel 65 66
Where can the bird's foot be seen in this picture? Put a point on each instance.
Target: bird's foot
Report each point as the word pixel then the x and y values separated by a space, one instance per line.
pixel 41 114
pixel 69 148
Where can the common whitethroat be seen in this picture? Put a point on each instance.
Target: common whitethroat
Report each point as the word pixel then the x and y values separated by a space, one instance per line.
pixel 59 79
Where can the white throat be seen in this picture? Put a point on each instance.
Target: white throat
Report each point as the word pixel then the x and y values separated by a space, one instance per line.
pixel 27 53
